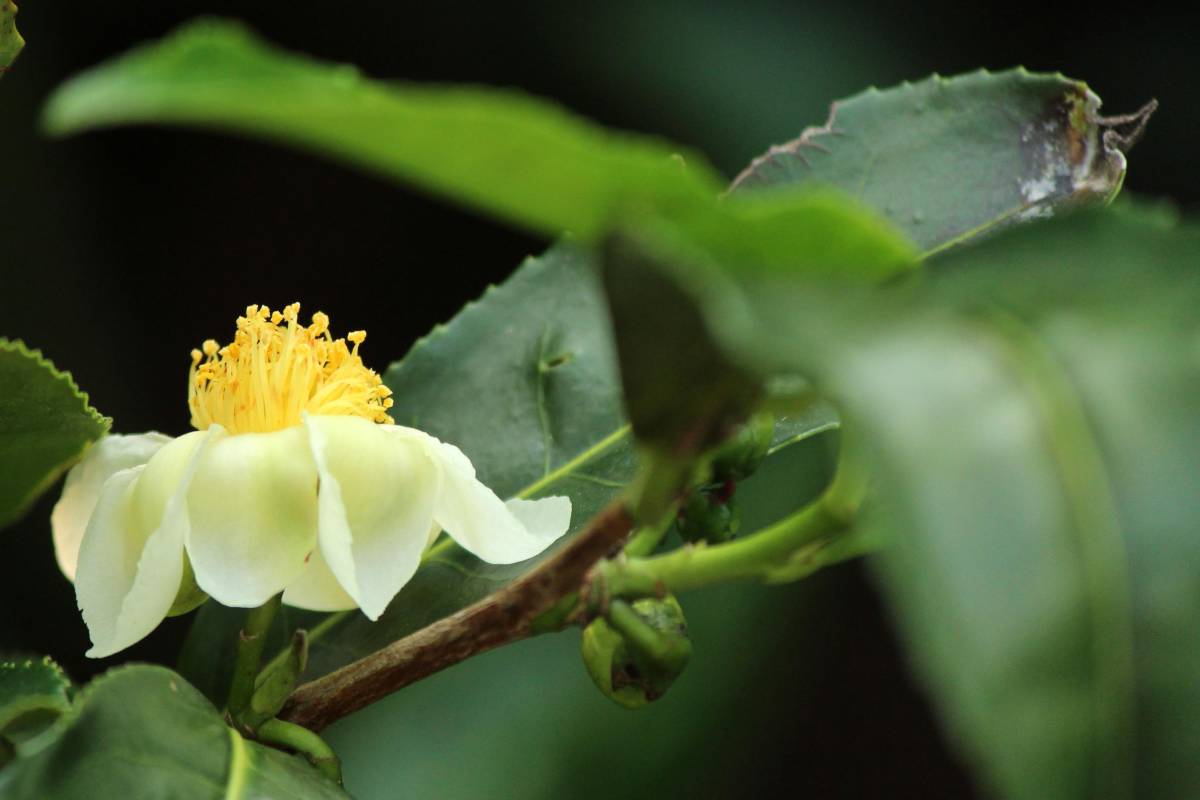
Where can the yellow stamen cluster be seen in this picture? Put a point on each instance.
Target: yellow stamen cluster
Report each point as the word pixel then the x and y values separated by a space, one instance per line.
pixel 275 369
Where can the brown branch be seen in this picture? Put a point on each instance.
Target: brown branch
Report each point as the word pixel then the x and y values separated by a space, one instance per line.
pixel 498 619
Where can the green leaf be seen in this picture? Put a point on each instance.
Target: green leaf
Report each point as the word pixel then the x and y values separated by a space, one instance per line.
pixel 948 158
pixel 682 390
pixel 11 42
pixel 143 731
pixel 524 381
pixel 32 695
pixel 1029 416
pixel 518 158
pixel 45 425
pixel 521 159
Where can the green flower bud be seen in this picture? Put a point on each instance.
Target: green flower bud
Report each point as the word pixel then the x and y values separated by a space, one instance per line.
pixel 709 517
pixel 634 656
pixel 741 454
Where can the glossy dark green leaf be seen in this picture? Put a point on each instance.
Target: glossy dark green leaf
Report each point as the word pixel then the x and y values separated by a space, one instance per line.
pixel 32 695
pixel 948 158
pixel 45 424
pixel 144 732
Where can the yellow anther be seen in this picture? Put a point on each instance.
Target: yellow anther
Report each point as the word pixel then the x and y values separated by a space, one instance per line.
pixel 272 373
pixel 320 323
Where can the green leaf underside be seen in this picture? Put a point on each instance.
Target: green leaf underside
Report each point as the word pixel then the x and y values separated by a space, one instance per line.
pixel 948 158
pixel 1035 455
pixel 143 731
pixel 45 424
pixel 11 42
pixel 523 380
pixel 32 694
pixel 518 158
pixel 515 157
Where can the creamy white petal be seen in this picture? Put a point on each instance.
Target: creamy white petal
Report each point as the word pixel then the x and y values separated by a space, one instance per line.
pixel 131 558
pixel 547 518
pixel 253 513
pixel 375 505
pixel 317 588
pixel 81 490
pixel 479 520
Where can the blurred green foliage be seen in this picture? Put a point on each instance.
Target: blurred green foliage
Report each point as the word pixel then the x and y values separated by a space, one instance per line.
pixel 107 227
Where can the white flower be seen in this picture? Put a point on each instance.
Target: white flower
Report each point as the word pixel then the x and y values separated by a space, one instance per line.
pixel 297 482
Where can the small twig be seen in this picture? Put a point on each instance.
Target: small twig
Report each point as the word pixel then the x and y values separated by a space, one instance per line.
pixel 503 617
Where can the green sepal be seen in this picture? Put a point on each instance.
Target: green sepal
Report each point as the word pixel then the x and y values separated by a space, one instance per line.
pixel 190 596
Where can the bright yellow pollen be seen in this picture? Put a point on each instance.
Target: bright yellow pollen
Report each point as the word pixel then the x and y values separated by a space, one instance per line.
pixel 271 373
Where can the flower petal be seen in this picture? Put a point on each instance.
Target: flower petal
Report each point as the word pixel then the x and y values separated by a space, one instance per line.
pixel 253 513
pixel 480 521
pixel 131 558
pixel 81 490
pixel 317 589
pixel 547 518
pixel 375 505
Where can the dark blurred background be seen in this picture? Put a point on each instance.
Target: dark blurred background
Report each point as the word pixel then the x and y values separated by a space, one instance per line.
pixel 120 251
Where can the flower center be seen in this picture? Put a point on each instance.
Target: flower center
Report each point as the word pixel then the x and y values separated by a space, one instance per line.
pixel 275 369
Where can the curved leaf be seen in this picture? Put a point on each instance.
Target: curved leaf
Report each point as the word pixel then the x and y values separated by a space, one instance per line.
pixel 518 158
pixel 144 732
pixel 45 424
pixel 948 158
pixel 522 159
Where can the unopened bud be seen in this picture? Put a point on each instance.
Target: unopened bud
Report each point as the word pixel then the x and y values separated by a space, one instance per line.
pixel 635 655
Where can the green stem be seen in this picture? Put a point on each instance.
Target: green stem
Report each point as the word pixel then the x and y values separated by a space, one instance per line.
pixel 668 481
pixel 693 567
pixel 646 539
pixel 251 639
pixel 663 478
pixel 303 741
pixel 819 525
